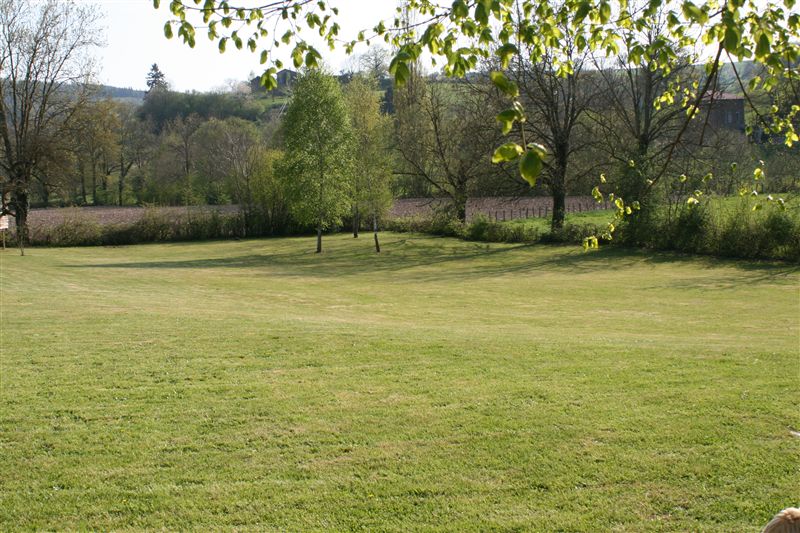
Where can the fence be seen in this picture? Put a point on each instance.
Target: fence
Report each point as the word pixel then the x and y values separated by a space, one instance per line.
pixel 499 208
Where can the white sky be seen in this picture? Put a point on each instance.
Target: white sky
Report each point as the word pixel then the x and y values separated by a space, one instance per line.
pixel 134 31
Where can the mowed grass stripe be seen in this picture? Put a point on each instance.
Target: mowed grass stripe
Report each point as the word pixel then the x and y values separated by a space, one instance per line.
pixel 442 385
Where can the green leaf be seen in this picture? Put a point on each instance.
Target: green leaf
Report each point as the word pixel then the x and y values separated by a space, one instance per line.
pixel 481 14
pixel 762 46
pixel 460 9
pixel 504 84
pixel 505 53
pixel 507 152
pixel 401 72
pixel 507 119
pixel 605 12
pixel 582 11
pixel 694 13
pixel 732 38
pixel 297 57
pixel 531 163
pixel 311 59
pixel 268 80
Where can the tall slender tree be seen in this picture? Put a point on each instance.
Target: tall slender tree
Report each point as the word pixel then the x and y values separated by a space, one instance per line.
pixel 373 162
pixel 319 151
pixel 156 80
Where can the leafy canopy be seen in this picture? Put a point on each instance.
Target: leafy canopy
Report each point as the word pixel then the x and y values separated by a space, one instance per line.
pixel 467 31
pixel 319 153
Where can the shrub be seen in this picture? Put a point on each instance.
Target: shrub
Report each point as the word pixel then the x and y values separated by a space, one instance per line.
pixel 152 227
pixel 76 229
pixel 478 229
pixel 572 233
pixel 691 230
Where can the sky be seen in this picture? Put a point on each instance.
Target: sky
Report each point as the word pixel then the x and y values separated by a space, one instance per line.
pixel 134 33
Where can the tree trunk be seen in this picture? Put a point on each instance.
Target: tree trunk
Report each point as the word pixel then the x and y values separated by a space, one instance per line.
pixel 559 202
pixel 460 202
pixel 94 184
pixel 319 237
pixel 375 232
pixel 356 222
pixel 21 205
pixel 83 184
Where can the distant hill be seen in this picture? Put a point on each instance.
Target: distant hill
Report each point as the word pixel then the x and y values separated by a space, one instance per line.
pixel 133 96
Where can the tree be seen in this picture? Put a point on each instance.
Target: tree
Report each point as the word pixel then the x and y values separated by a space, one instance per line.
pixel 628 116
pixel 319 153
pixel 556 99
pixel 179 140
pixel 270 191
pixel 229 152
pixel 441 141
pixel 96 147
pixel 375 63
pixel 135 142
pixel 43 82
pixel 372 161
pixel 462 33
pixel 156 80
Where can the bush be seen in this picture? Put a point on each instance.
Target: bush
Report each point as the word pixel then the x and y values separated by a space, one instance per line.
pixel 692 231
pixel 75 230
pixel 572 233
pixel 152 227
pixel 715 229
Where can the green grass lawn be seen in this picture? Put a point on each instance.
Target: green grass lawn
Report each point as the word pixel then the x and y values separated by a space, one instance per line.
pixel 601 218
pixel 443 385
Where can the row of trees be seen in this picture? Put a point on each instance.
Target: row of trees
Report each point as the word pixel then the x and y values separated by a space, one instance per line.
pixel 621 114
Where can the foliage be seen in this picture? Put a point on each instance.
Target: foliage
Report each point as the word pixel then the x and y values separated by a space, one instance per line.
pixel 372 161
pixel 96 128
pixel 79 229
pixel 444 135
pixel 319 151
pixel 156 81
pixel 270 195
pixel 738 227
pixel 163 107
pixel 467 31
pixel 485 230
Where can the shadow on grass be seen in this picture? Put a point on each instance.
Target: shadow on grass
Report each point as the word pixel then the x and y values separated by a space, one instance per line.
pixel 414 254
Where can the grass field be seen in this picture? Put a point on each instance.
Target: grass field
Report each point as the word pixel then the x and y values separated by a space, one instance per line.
pixel 442 385
pixel 600 218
